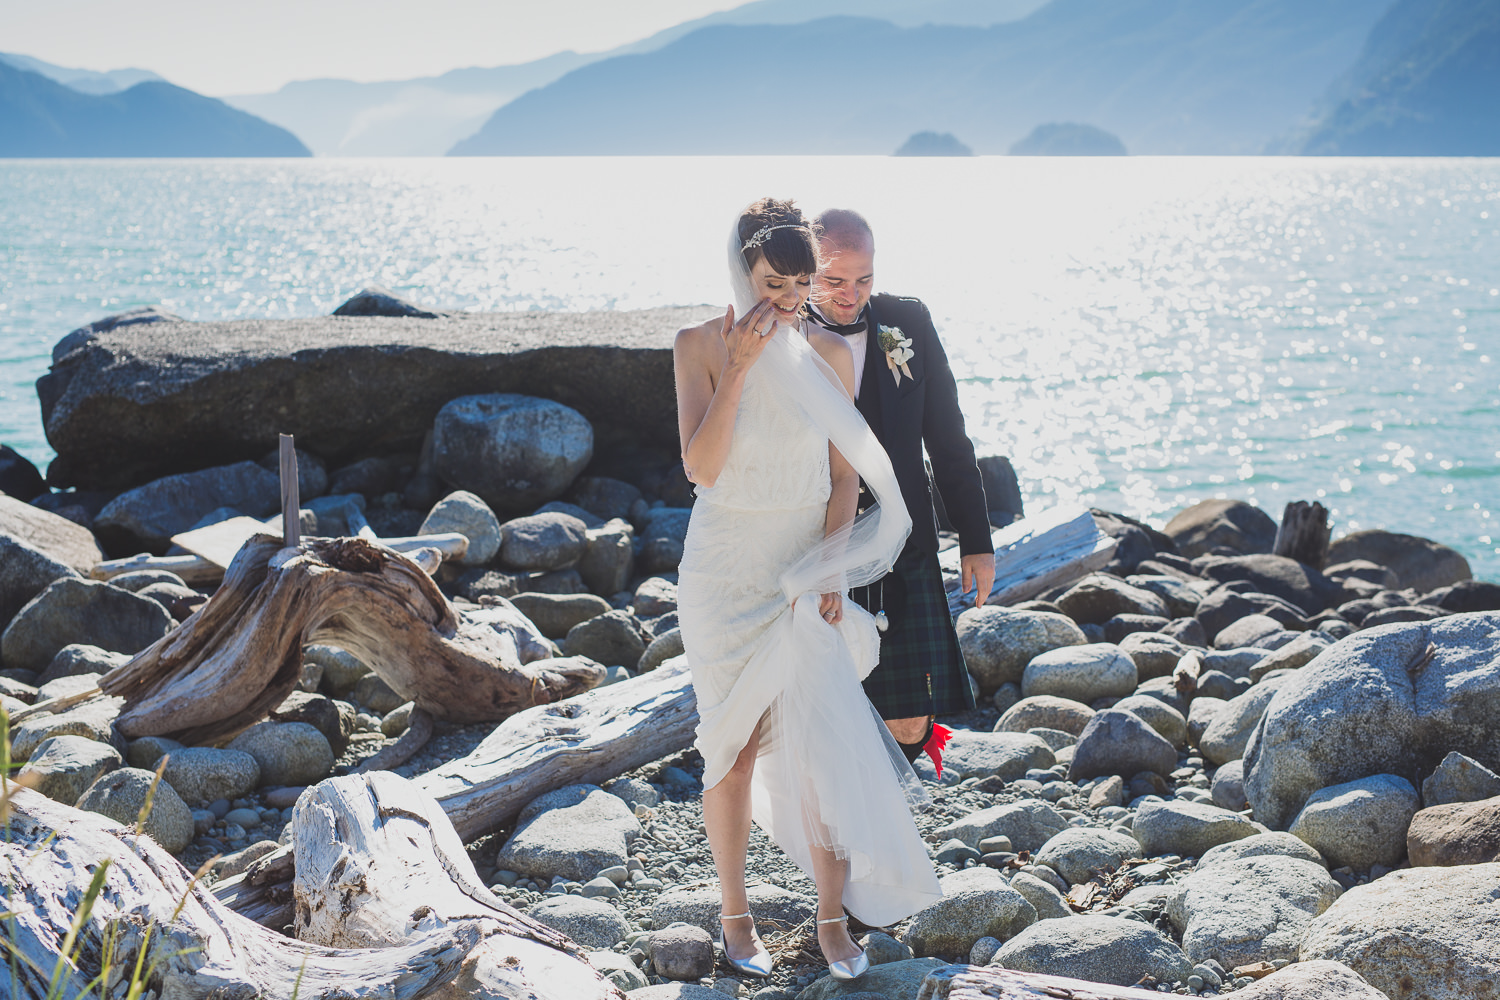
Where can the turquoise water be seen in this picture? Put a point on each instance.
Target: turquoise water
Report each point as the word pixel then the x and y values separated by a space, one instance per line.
pixel 1135 333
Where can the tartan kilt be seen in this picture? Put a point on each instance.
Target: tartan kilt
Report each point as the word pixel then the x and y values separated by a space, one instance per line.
pixel 921 670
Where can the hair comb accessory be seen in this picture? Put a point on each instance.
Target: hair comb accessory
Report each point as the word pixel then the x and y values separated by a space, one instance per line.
pixel 764 232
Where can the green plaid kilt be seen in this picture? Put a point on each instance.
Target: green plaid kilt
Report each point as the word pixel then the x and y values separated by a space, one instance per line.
pixel 921 670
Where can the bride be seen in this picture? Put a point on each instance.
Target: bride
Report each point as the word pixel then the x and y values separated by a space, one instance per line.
pixel 772 439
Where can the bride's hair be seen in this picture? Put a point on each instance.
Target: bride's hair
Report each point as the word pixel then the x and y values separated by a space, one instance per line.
pixel 778 231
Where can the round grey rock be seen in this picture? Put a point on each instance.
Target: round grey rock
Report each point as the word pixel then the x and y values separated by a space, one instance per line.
pixel 1005 755
pixel 1098 597
pixel 1028 823
pixel 952 924
pixel 466 514
pixel 204 774
pixel 1189 829
pixel 1166 720
pixel 1078 853
pixel 663 648
pixel 1116 742
pixel 1154 654
pixel 63 767
pixel 1250 910
pixel 1082 673
pixel 699 905
pixel 77 659
pixel 997 642
pixel 542 542
pixel 516 452
pixel 121 795
pixel 1276 843
pixel 81 611
pixel 341 668
pixel 1228 788
pixel 576 831
pixel 613 638
pixel 289 753
pixel 682 951
pixel 1045 711
pixel 1227 736
pixel 555 614
pixel 1049 903
pixel 593 923
pixel 1097 948
pixel 92 720
pixel 1359 823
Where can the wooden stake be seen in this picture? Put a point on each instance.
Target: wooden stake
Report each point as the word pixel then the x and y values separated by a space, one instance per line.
pixel 291 520
pixel 1304 533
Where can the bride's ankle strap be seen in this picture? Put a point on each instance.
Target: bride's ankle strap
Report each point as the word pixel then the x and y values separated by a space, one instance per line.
pixel 734 916
pixel 836 920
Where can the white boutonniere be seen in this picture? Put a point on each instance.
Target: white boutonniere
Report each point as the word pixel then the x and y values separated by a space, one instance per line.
pixel 897 348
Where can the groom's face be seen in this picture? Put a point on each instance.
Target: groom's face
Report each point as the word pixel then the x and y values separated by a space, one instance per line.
pixel 844 284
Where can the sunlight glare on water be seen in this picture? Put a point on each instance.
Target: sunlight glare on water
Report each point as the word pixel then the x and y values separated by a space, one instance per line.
pixel 1135 333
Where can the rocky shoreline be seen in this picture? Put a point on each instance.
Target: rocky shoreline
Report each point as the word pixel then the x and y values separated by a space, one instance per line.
pixel 1206 768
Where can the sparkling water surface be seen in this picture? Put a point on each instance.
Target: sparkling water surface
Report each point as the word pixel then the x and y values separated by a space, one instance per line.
pixel 1136 333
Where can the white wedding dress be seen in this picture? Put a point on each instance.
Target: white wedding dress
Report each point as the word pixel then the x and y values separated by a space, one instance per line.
pixel 766 665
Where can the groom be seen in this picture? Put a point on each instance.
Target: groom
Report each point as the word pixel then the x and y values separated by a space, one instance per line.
pixel 910 400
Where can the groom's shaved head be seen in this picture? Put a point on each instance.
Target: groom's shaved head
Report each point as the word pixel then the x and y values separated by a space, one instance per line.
pixel 845 229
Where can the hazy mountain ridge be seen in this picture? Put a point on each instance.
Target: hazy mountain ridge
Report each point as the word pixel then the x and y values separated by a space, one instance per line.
pixel 40 117
pixel 428 115
pixel 84 81
pixel 1166 76
pixel 1426 84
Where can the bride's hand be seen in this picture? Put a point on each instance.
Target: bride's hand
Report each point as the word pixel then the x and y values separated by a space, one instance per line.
pixel 831 607
pixel 745 339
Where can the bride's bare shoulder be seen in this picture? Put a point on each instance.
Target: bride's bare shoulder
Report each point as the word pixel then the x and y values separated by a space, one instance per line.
pixel 830 345
pixel 703 337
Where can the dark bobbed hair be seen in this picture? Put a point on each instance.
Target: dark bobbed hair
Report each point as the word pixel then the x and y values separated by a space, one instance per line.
pixel 788 251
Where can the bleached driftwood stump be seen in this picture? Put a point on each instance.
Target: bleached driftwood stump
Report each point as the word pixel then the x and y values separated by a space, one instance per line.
pixel 990 982
pixel 240 655
pixel 416 923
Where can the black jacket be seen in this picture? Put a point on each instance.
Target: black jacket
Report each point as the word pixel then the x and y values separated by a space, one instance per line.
pixel 923 411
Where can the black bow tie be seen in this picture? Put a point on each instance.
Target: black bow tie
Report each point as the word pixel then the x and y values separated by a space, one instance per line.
pixel 860 325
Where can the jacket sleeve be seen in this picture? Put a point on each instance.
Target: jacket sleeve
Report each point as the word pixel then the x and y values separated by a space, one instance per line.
pixel 955 471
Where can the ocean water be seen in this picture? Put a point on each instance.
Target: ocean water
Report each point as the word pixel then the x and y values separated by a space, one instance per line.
pixel 1135 333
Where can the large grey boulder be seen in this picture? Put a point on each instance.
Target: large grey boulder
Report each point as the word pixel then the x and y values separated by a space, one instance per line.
pixel 1028 824
pixel 148 516
pixel 63 767
pixel 1116 742
pixel 542 541
pixel 1279 576
pixel 1418 933
pixel 1249 910
pixel 122 794
pixel 25 572
pixel 1099 949
pixel 132 405
pixel 1154 654
pixel 555 614
pixel 78 658
pixel 1005 755
pixel 465 513
pixel 1046 898
pixel 1228 734
pixel 887 981
pixel 1274 844
pixel 1296 654
pixel 662 538
pixel 1419 563
pixel 289 753
pixel 1076 854
pixel 1221 524
pixel 1187 828
pixel 71 611
pixel 206 774
pixel 1359 823
pixel 952 924
pixel 699 905
pixel 997 642
pixel 516 452
pixel 1314 980
pixel 1083 673
pixel 1045 712
pixel 1459 779
pixel 609 558
pixel 1169 723
pixel 1390 700
pixel 92 720
pixel 593 923
pixel 682 951
pixel 55 537
pixel 1098 597
pixel 576 831
pixel 613 639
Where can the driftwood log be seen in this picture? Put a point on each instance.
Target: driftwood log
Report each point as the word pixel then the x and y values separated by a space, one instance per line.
pixel 1043 551
pixel 590 738
pixel 239 655
pixel 990 982
pixel 416 926
pixel 1303 533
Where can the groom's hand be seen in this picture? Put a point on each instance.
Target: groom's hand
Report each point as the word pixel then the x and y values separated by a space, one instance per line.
pixel 978 574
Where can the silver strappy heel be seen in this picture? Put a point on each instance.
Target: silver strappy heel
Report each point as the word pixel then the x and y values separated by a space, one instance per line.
pixel 850 968
pixel 759 962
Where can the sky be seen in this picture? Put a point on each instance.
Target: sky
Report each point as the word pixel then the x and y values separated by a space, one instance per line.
pixel 219 47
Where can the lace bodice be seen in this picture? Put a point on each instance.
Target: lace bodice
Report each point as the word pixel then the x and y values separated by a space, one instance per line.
pixel 778 460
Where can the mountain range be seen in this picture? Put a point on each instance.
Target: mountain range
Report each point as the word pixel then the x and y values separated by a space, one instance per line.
pixel 428 115
pixel 40 117
pixel 1165 76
